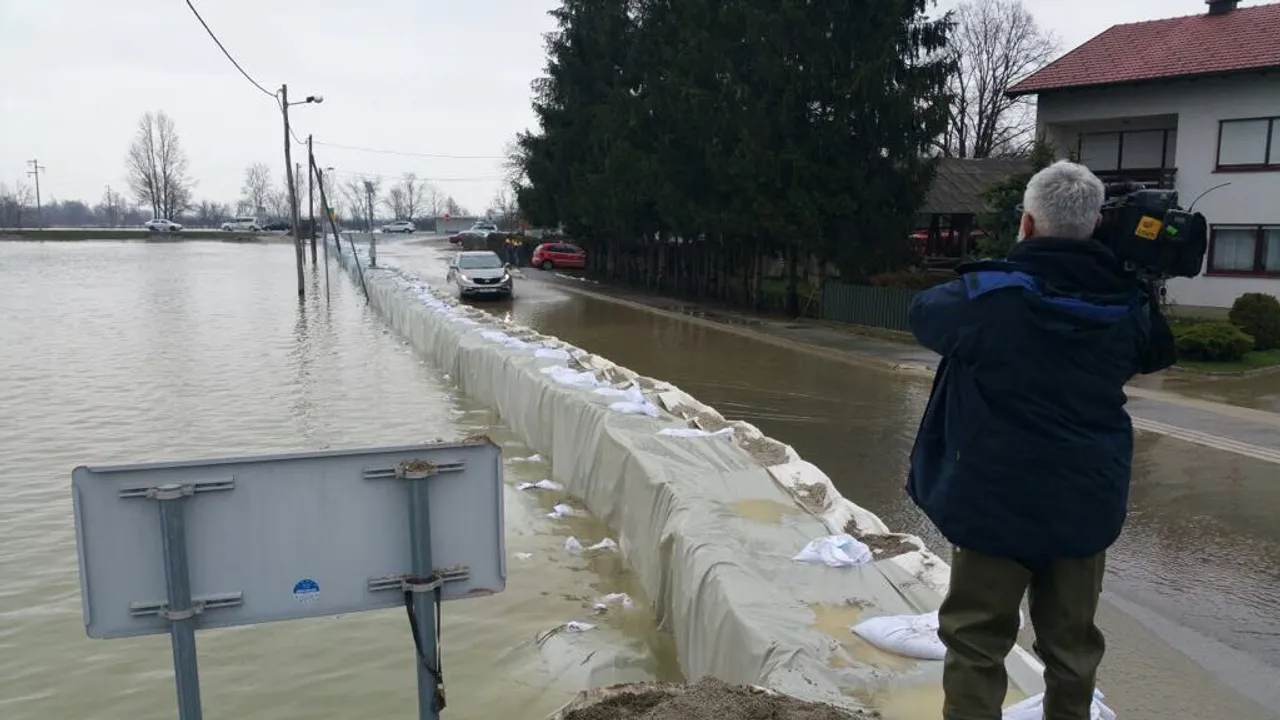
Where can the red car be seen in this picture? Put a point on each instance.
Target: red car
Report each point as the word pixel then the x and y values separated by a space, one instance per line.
pixel 554 256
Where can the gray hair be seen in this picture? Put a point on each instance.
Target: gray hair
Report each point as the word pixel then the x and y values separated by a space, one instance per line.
pixel 1065 200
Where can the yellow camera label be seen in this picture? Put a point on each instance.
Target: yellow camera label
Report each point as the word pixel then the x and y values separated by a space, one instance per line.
pixel 1149 228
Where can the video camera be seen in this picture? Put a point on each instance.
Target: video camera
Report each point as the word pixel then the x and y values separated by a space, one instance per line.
pixel 1151 233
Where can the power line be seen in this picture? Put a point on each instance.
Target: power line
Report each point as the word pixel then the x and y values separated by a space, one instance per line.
pixel 477 178
pixel 246 75
pixel 411 154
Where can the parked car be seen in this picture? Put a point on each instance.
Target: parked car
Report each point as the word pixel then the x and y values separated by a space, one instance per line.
pixel 480 274
pixel 399 226
pixel 278 226
pixel 162 225
pixel 242 224
pixel 470 238
pixel 485 227
pixel 556 256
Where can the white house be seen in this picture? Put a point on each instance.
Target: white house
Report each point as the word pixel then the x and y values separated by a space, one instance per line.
pixel 1189 103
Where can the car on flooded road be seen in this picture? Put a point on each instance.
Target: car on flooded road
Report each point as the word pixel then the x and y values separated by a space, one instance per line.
pixel 162 225
pixel 400 226
pixel 480 274
pixel 559 256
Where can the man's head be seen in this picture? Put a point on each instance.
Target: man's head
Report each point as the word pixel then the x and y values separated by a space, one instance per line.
pixel 1063 200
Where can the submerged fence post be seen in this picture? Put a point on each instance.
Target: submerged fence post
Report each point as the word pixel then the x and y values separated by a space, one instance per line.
pixel 181 611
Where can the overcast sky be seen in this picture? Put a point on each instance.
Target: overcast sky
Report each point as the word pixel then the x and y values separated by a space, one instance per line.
pixel 445 77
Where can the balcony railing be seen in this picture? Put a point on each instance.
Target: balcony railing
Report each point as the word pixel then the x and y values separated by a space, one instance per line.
pixel 1152 178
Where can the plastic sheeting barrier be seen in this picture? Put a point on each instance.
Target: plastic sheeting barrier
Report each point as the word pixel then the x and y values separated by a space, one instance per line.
pixel 737 605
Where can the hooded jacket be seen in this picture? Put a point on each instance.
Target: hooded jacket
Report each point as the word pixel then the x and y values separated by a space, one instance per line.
pixel 1025 448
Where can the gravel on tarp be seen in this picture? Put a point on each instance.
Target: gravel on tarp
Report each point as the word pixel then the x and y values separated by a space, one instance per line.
pixel 708 699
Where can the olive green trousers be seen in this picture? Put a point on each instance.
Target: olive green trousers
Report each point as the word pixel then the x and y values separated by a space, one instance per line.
pixel 978 622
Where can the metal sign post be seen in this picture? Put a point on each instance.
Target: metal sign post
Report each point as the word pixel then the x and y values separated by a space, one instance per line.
pixel 251 540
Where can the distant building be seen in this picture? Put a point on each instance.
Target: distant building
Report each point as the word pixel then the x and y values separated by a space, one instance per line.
pixel 452 225
pixel 1186 103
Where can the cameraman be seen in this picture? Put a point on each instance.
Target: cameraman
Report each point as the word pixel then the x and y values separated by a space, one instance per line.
pixel 1023 457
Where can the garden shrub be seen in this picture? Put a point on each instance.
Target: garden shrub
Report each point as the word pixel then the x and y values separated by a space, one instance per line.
pixel 1215 341
pixel 1258 314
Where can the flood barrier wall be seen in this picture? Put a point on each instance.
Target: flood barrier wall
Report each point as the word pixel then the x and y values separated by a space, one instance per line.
pixel 687 511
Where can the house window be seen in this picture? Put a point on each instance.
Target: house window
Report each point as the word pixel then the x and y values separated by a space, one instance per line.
pixel 1245 250
pixel 1249 144
pixel 1126 151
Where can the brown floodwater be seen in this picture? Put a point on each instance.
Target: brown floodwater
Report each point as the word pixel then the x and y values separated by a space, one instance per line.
pixel 1193 586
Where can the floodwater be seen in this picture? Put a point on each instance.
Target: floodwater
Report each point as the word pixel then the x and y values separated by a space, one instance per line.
pixel 1193 588
pixel 118 352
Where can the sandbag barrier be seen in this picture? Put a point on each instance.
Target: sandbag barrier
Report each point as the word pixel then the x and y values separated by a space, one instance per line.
pixel 723 584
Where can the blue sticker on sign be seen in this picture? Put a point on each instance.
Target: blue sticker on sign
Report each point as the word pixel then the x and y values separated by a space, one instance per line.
pixel 306 590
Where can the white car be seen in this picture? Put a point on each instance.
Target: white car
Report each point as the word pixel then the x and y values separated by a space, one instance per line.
pixel 485 227
pixel 243 224
pixel 399 226
pixel 162 225
pixel 480 274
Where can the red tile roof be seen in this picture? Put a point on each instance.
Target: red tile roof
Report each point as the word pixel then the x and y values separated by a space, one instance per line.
pixel 1243 39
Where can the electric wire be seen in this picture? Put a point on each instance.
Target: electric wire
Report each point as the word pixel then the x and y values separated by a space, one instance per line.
pixel 221 47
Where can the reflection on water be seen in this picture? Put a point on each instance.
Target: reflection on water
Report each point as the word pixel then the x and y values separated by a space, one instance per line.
pixel 117 352
pixel 1261 392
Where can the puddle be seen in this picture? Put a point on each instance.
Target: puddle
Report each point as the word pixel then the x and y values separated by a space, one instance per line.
pixel 917 702
pixel 764 511
pixel 835 621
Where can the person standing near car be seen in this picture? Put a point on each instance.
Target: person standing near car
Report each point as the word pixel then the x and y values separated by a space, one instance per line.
pixel 514 245
pixel 1023 457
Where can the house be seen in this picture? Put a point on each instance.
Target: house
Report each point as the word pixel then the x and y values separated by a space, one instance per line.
pixel 955 200
pixel 1189 103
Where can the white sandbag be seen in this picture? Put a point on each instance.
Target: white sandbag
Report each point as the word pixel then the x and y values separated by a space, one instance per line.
pixel 540 485
pixel 835 551
pixel 913 636
pixel 695 432
pixel 1033 709
pixel 560 511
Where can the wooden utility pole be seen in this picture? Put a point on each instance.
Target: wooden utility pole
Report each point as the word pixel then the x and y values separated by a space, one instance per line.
pixel 36 169
pixel 311 198
pixel 293 193
pixel 373 239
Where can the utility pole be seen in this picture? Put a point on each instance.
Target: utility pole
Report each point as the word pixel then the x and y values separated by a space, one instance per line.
pixel 373 239
pixel 293 194
pixel 311 197
pixel 36 169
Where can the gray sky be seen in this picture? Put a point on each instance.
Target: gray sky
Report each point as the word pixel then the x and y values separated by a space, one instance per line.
pixel 424 76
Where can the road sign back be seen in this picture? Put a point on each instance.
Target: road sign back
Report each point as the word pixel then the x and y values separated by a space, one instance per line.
pixel 286 536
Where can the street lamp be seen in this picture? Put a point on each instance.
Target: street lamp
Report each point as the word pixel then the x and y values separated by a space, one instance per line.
pixel 288 173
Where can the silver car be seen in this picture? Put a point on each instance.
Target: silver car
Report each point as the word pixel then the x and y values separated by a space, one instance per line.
pixel 480 274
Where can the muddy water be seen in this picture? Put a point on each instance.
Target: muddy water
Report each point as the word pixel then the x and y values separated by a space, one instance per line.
pixel 1194 585
pixel 121 352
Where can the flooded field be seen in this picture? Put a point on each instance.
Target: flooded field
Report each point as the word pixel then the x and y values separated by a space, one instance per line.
pixel 115 352
pixel 1193 585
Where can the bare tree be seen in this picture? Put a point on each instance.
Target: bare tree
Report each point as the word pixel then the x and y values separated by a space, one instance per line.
pixel 278 204
pixel 995 44
pixel 112 207
pixel 452 207
pixel 503 210
pixel 432 201
pixel 396 201
pixel 255 194
pixel 13 203
pixel 157 166
pixel 210 214
pixel 363 197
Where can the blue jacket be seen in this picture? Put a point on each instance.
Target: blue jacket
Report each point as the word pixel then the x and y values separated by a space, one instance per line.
pixel 1025 447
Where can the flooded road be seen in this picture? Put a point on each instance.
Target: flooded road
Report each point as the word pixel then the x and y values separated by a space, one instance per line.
pixel 1193 586
pixel 118 352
